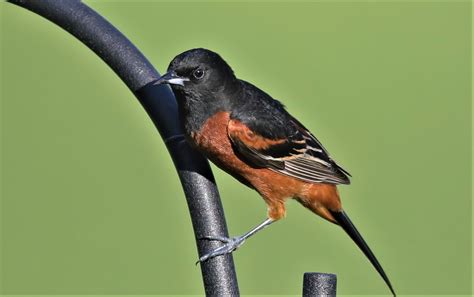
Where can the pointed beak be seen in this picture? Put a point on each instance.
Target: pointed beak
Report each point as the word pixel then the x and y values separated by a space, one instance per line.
pixel 171 78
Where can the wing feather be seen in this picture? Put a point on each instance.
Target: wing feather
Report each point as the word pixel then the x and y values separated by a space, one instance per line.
pixel 299 155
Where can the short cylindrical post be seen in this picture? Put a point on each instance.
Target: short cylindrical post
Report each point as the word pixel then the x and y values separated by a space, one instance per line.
pixel 319 284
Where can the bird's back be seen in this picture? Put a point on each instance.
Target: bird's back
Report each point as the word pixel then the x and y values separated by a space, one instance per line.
pixel 301 154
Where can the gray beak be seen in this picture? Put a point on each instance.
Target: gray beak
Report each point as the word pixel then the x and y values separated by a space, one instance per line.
pixel 171 78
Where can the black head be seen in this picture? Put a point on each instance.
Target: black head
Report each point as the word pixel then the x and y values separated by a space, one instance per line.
pixel 198 71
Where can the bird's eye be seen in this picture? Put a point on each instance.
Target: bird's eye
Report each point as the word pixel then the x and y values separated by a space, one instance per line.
pixel 198 73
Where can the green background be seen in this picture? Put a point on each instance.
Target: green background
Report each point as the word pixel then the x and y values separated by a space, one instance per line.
pixel 91 203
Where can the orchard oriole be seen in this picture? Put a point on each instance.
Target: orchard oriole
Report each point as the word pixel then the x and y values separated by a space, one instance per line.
pixel 251 136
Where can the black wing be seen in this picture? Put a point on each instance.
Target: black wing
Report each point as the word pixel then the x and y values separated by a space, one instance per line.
pixel 299 154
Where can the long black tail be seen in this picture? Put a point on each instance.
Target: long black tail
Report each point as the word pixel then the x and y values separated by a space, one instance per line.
pixel 346 224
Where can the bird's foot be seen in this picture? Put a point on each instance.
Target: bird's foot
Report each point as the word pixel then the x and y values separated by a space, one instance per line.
pixel 230 245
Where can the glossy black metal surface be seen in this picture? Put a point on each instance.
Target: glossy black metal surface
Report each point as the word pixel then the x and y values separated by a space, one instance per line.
pixel 319 284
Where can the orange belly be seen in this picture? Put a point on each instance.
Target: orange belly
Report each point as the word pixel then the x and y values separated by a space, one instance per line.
pixel 213 141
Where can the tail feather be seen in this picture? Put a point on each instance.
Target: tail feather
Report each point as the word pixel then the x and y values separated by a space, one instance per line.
pixel 346 224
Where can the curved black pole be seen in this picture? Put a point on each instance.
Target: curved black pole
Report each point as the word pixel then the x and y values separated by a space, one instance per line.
pixel 137 73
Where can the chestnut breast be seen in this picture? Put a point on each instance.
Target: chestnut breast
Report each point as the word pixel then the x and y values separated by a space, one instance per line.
pixel 213 141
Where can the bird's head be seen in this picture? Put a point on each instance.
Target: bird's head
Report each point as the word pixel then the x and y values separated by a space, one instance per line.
pixel 198 71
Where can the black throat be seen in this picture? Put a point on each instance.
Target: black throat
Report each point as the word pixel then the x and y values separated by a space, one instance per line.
pixel 195 109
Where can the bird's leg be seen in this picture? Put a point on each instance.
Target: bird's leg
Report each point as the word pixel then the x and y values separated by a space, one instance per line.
pixel 231 244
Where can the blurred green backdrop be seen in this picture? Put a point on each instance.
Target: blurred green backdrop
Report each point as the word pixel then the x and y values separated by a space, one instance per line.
pixel 90 201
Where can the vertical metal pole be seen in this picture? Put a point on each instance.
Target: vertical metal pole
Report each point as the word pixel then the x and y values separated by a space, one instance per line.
pixel 319 284
pixel 137 73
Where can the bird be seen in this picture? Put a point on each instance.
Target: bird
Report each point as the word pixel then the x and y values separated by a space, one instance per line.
pixel 251 136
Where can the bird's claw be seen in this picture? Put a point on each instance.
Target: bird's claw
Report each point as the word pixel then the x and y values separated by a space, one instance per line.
pixel 216 238
pixel 230 245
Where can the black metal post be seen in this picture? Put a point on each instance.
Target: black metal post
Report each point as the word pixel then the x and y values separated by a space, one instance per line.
pixel 137 73
pixel 319 284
